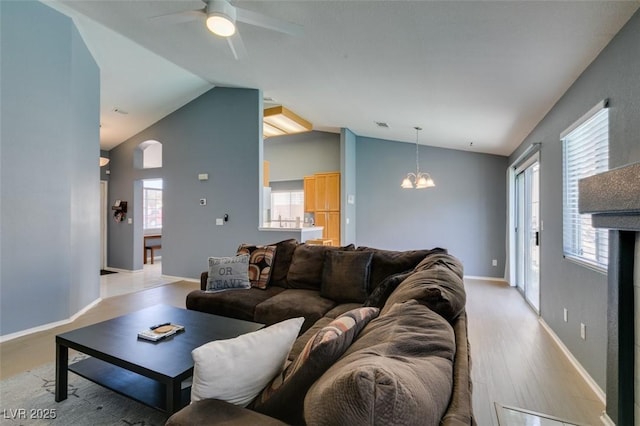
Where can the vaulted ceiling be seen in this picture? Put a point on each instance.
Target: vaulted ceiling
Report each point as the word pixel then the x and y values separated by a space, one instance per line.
pixel 478 72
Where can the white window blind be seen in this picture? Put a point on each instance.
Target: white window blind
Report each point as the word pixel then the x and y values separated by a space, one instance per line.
pixel 585 152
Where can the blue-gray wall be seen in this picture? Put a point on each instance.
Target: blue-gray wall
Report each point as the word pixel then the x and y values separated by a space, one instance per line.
pixel 49 175
pixel 348 186
pixel 292 157
pixel 464 213
pixel 614 74
pixel 218 133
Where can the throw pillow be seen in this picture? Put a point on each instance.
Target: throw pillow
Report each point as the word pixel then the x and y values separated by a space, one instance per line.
pixel 236 370
pixel 284 396
pixel 381 293
pixel 307 264
pixel 260 262
pixel 228 272
pixel 345 277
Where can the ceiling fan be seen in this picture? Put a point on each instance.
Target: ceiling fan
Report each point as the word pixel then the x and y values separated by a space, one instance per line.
pixel 220 17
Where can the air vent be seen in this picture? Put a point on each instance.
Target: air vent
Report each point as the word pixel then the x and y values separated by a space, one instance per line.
pixel 382 124
pixel 268 99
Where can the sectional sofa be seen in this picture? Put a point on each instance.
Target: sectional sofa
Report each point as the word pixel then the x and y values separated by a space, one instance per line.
pixel 408 365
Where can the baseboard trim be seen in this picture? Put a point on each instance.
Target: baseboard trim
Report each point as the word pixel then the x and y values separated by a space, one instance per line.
pixel 606 420
pixel 494 279
pixel 125 271
pixel 171 277
pixel 50 325
pixel 585 375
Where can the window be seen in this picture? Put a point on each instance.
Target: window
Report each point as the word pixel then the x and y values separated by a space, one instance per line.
pixel 152 203
pixel 287 205
pixel 585 152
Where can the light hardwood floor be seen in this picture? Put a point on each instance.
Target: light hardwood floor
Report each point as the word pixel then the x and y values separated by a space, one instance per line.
pixel 514 361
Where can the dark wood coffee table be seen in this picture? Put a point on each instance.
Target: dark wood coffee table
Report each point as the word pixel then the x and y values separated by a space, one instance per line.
pixel 149 372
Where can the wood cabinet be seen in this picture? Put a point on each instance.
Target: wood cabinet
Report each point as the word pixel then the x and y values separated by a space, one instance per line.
pixel 330 221
pixel 327 191
pixel 324 198
pixel 265 173
pixel 309 194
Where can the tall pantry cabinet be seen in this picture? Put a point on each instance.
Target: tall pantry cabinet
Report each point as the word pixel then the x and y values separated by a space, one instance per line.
pixel 322 197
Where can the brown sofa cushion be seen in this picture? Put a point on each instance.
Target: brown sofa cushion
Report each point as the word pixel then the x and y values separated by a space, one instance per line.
pixel 293 303
pixel 284 397
pixel 280 267
pixel 345 277
pixel 341 309
pixel 398 371
pixel 238 304
pixel 307 265
pixel 438 287
pixel 443 259
pixel 389 262
pixel 381 293
pixel 222 413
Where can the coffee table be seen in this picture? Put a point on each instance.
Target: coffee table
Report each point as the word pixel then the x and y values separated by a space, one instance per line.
pixel 149 372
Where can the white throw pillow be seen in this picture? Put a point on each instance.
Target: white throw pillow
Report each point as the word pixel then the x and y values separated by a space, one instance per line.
pixel 236 370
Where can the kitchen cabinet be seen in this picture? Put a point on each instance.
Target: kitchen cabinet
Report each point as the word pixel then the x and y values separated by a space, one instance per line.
pixel 324 199
pixel 309 194
pixel 327 191
pixel 330 221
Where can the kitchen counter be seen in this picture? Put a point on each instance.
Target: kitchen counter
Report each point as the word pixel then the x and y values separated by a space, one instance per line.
pixel 301 233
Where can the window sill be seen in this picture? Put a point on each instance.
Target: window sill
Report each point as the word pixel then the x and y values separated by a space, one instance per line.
pixel 586 264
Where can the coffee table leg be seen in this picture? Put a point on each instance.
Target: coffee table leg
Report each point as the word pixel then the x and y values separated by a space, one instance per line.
pixel 174 396
pixel 62 360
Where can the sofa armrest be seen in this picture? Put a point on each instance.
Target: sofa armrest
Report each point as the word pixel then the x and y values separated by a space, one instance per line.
pixel 460 411
pixel 203 280
pixel 216 412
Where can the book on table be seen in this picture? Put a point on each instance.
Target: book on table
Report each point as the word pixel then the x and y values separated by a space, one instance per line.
pixel 160 332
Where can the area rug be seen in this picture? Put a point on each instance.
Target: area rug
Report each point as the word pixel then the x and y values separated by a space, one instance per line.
pixel 105 272
pixel 26 399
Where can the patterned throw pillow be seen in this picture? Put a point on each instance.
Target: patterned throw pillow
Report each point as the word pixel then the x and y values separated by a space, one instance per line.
pixel 228 273
pixel 260 261
pixel 284 396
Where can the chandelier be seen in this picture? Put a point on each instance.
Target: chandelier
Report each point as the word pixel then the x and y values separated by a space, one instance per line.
pixel 417 180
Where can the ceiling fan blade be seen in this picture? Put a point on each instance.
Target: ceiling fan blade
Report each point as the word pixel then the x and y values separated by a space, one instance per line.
pixel 260 20
pixel 178 17
pixel 237 46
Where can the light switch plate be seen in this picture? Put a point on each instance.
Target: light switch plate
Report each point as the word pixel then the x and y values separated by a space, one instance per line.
pixel 203 176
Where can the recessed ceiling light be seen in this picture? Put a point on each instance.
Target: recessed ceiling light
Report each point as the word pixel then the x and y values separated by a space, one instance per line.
pixel 382 124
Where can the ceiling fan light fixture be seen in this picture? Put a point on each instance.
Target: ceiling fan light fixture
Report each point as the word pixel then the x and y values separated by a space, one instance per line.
pixel 221 18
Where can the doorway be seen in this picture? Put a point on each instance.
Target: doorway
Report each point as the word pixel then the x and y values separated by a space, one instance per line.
pixel 103 223
pixel 527 197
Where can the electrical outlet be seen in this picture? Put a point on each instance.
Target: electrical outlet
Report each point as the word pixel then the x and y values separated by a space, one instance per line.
pixel 583 331
pixel 219 221
pixel 566 315
pixel 494 262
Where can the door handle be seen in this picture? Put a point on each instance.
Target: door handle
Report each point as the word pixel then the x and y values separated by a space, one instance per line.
pixel 537 238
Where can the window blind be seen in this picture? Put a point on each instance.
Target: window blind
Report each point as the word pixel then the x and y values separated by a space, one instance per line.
pixel 585 152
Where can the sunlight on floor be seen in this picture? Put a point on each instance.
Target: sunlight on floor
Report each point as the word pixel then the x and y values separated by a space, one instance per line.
pixel 510 416
pixel 124 282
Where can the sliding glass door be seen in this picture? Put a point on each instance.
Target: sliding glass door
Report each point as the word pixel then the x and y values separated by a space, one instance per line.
pixel 528 232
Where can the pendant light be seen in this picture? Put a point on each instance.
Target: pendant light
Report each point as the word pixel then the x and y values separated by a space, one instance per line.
pixel 417 180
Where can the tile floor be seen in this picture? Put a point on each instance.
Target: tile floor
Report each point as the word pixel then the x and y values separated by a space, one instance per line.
pixel 124 282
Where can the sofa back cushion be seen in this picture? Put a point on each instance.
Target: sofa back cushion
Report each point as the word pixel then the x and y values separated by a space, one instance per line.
pixel 345 277
pixel 398 371
pixel 281 262
pixel 284 396
pixel 307 265
pixel 437 286
pixel 389 262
